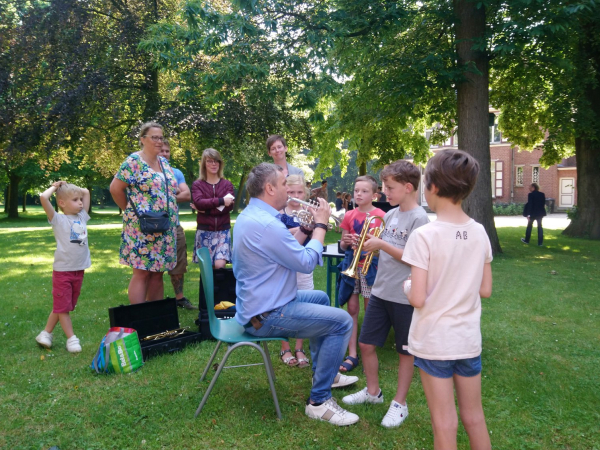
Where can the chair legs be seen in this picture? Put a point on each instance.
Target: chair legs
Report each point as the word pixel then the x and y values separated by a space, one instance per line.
pixel 268 368
pixel 210 361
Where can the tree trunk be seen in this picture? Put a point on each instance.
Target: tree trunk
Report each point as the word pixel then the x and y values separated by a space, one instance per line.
pixel 24 204
pixel 587 147
pixel 587 221
pixel 89 188
pixel 13 195
pixel 238 197
pixel 362 169
pixel 152 95
pixel 473 110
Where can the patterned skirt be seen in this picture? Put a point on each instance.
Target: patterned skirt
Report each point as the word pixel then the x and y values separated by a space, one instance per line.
pixel 217 242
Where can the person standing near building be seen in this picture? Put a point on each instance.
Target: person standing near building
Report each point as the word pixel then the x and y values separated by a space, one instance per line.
pixel 535 209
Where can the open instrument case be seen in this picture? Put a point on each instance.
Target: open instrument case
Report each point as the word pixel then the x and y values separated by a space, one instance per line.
pixel 154 318
pixel 224 282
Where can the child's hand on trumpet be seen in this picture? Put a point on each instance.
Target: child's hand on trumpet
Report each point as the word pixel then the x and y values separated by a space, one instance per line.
pixel 349 240
pixel 372 243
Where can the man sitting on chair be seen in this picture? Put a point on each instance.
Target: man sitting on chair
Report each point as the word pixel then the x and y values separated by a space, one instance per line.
pixel 266 257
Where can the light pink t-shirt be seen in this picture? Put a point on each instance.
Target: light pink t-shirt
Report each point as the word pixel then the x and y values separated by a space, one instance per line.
pixel 447 327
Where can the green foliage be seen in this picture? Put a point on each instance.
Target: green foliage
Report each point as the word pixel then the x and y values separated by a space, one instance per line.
pixel 541 77
pixel 573 213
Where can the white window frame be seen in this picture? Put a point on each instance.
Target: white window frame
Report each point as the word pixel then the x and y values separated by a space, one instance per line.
pixel 522 169
pixel 533 176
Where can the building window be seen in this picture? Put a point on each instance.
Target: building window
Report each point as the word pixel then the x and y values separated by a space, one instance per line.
pixel 499 179
pixel 496 178
pixel 535 174
pixel 495 134
pixel 519 176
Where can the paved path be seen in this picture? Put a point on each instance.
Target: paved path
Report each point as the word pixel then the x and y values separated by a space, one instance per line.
pixel 556 221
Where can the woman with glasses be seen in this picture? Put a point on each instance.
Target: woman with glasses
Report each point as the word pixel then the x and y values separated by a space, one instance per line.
pixel 141 183
pixel 212 196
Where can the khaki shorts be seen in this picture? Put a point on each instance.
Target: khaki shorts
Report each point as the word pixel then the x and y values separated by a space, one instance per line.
pixel 181 266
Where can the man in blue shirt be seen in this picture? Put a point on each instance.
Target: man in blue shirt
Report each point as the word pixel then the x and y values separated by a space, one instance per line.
pixel 266 258
pixel 183 196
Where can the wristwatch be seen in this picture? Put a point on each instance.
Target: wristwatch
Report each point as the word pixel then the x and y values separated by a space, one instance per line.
pixel 321 225
pixel 306 231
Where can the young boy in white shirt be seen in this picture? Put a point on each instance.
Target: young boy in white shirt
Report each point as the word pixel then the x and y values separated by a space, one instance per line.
pixel 388 305
pixel 451 271
pixel 71 258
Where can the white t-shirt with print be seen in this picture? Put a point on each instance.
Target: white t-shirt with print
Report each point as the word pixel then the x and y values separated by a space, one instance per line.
pixel 72 251
pixel 392 273
pixel 447 327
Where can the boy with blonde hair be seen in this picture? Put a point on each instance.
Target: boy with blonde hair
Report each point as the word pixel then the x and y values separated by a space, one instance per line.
pixel 451 271
pixel 388 306
pixel 364 189
pixel 71 258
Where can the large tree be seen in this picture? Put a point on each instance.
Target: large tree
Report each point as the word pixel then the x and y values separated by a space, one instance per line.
pixel 546 81
pixel 72 77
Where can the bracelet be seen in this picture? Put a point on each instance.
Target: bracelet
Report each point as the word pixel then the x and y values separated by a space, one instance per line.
pixel 322 226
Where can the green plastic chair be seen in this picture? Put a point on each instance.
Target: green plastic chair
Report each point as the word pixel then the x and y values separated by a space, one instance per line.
pixel 231 333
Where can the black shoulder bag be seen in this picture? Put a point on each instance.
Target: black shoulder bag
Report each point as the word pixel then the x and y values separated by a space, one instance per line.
pixel 152 221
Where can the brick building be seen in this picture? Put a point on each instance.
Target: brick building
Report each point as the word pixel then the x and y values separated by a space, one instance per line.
pixel 513 171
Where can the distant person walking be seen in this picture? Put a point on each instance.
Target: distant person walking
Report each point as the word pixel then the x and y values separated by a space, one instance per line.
pixel 535 209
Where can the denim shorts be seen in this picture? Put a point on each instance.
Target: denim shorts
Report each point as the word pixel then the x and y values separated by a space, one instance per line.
pixel 447 368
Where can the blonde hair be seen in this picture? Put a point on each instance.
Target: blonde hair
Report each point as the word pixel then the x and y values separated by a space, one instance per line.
pixel 145 127
pixel 296 180
pixel 369 179
pixel 67 190
pixel 212 154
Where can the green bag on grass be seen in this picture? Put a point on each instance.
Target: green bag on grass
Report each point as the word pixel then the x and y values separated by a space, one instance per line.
pixel 119 352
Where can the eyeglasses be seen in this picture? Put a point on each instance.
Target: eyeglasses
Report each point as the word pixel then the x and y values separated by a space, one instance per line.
pixel 155 138
pixel 212 161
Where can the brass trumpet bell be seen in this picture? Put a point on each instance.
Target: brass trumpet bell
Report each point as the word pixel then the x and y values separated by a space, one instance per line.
pixel 306 219
pixel 353 271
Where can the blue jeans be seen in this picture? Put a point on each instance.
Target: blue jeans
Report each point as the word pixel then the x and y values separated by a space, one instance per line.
pixel 309 316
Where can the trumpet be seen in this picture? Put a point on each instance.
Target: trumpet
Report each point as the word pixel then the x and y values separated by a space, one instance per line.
pixel 353 271
pixel 306 219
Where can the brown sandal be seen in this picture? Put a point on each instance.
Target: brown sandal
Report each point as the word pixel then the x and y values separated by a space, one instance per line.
pixel 302 362
pixel 290 360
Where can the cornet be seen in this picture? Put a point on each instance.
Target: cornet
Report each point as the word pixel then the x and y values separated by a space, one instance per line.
pixel 306 219
pixel 352 271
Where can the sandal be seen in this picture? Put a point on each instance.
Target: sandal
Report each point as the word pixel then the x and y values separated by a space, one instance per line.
pixel 302 362
pixel 349 366
pixel 290 360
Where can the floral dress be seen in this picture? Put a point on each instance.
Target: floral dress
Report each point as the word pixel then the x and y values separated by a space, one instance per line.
pixel 154 252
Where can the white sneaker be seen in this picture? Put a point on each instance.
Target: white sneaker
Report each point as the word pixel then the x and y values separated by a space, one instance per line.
pixel 395 415
pixel 73 345
pixel 44 339
pixel 363 396
pixel 342 380
pixel 331 412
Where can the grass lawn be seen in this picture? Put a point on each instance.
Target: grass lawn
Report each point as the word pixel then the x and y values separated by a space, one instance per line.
pixel 541 334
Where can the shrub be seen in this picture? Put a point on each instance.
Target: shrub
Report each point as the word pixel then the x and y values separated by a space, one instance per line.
pixel 572 213
pixel 508 209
